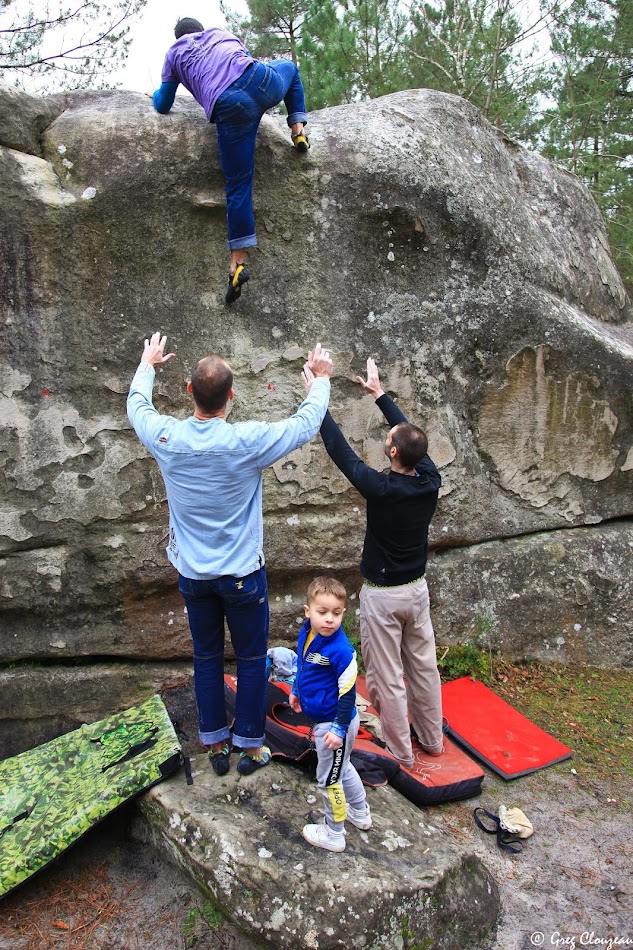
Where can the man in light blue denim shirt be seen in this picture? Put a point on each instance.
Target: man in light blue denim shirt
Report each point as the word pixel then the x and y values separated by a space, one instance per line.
pixel 213 476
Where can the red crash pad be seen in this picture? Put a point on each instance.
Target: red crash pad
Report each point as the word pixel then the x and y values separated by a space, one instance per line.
pixel 495 733
pixel 447 777
pixel 432 780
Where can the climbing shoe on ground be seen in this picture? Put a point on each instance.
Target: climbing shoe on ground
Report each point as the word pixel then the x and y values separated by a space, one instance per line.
pixel 300 142
pixel 247 764
pixel 359 818
pixel 322 836
pixel 220 760
pixel 236 281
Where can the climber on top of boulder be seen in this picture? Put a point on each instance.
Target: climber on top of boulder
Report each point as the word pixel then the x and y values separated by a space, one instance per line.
pixel 234 90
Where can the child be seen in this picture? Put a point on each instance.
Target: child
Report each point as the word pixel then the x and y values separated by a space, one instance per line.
pixel 325 690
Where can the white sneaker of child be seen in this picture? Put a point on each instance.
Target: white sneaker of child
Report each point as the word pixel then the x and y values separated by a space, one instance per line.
pixel 360 818
pixel 322 836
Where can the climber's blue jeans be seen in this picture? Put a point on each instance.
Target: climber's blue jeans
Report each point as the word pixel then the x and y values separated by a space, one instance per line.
pixel 237 114
pixel 244 603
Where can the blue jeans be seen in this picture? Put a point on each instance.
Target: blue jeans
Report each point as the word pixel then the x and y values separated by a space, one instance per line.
pixel 237 114
pixel 244 603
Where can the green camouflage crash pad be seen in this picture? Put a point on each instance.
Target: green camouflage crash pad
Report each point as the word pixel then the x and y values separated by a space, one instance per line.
pixel 53 794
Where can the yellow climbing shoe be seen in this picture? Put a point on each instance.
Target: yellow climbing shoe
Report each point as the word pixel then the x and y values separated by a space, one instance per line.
pixel 236 280
pixel 300 142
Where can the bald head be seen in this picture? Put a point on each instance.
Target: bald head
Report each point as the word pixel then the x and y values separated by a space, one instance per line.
pixel 211 383
pixel 411 443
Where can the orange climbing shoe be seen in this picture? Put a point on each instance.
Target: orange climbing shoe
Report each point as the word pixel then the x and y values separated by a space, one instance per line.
pixel 236 280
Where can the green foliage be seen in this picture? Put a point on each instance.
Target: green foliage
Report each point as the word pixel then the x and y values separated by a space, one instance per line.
pixel 54 45
pixel 197 920
pixel 273 29
pixel 378 28
pixel 326 58
pixel 472 48
pixel 588 121
pixel 351 629
pixel 212 915
pixel 464 659
pixel 346 49
pixel 349 625
pixel 484 629
pixel 188 926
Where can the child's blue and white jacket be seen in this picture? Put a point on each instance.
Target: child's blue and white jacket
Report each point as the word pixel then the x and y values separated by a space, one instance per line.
pixel 326 678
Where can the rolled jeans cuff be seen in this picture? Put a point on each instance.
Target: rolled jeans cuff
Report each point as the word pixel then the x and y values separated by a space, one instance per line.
pixel 237 243
pixel 297 117
pixel 218 735
pixel 243 742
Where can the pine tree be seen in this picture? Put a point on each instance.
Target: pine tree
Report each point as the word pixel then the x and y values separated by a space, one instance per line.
pixel 379 29
pixel 588 124
pixel 327 56
pixel 472 48
pixel 273 29
pixel 51 45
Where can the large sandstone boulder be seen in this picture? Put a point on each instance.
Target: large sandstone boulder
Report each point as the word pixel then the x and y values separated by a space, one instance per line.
pixel 404 883
pixel 477 274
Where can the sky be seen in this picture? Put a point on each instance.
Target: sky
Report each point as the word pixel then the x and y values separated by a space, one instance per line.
pixel 153 33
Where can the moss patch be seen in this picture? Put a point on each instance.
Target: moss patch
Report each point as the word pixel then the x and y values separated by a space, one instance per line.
pixel 198 921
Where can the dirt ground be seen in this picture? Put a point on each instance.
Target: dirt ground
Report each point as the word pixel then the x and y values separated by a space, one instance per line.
pixel 574 876
pixel 570 887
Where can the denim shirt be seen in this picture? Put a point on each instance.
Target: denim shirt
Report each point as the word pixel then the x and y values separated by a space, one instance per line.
pixel 213 476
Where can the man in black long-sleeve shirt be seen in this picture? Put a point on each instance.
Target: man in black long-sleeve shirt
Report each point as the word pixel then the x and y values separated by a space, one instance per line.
pixel 397 637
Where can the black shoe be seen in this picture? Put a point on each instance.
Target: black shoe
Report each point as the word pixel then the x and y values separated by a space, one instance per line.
pixel 247 764
pixel 220 760
pixel 236 280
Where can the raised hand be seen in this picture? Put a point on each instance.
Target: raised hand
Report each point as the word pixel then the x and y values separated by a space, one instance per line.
pixel 308 377
pixel 320 362
pixel 154 350
pixel 372 383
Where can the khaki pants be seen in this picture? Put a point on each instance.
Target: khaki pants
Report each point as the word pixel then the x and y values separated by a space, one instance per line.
pixel 398 645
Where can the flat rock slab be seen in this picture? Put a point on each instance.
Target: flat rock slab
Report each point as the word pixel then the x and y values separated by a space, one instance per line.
pixel 402 884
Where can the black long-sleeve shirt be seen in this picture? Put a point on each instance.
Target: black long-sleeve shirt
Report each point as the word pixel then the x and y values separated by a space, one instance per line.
pixel 399 507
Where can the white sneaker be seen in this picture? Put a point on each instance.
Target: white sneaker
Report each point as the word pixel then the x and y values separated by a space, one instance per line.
pixel 359 818
pixel 322 836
